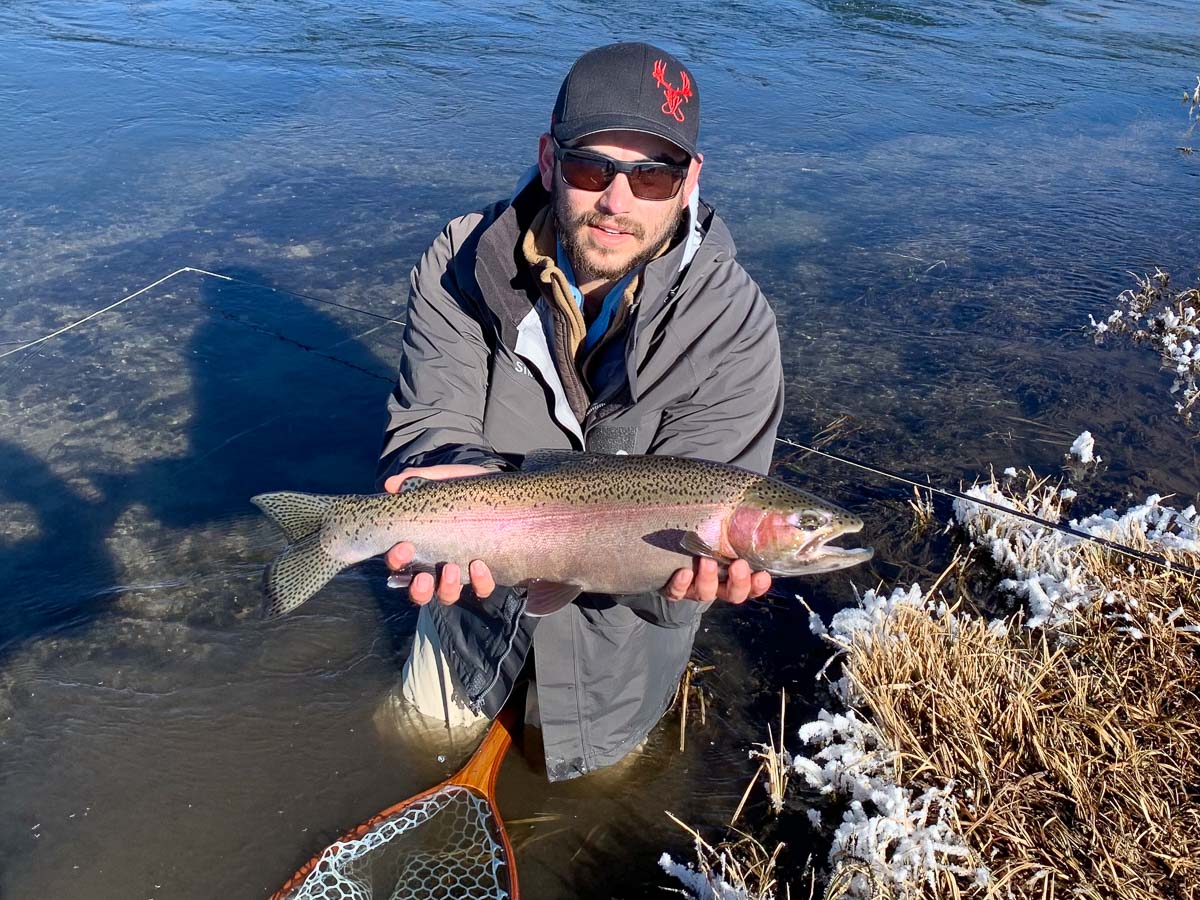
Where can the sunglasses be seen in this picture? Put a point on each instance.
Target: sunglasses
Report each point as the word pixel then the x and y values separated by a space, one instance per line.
pixel 587 171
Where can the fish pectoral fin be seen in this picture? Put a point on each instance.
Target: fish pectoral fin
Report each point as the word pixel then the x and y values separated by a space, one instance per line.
pixel 695 545
pixel 546 597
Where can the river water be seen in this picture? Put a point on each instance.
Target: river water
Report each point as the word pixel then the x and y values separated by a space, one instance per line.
pixel 935 197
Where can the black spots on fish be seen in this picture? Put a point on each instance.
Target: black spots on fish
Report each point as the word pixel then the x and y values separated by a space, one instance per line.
pixel 592 479
pixel 587 479
pixel 600 479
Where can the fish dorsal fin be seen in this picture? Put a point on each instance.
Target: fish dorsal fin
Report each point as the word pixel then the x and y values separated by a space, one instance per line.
pixel 547 597
pixel 412 482
pixel 556 459
pixel 694 544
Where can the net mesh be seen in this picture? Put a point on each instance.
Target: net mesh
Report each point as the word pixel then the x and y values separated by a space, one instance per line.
pixel 446 846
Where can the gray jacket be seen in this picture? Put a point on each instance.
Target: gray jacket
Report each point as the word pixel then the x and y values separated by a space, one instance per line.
pixel 477 384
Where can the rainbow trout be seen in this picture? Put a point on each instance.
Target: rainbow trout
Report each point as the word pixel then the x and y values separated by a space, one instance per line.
pixel 567 522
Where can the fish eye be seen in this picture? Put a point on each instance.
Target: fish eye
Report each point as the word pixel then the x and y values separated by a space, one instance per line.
pixel 809 522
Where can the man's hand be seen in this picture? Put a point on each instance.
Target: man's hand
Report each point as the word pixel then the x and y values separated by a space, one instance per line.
pixel 702 584
pixel 449 587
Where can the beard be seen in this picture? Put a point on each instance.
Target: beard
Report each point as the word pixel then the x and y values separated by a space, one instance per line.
pixel 596 263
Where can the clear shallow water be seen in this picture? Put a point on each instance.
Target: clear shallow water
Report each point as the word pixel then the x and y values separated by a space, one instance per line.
pixel 933 199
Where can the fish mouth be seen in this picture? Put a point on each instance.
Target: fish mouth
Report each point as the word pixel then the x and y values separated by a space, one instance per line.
pixel 819 556
pixel 831 558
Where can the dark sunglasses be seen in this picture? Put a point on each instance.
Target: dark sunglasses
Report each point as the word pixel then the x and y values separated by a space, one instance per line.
pixel 587 171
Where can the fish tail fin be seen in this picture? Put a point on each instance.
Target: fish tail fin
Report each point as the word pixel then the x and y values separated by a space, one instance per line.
pixel 297 573
pixel 304 567
pixel 297 515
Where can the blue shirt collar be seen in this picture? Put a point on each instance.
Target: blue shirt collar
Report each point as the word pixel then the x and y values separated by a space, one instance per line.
pixel 612 301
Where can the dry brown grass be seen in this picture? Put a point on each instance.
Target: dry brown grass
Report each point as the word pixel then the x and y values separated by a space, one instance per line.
pixel 1070 753
pixel 842 883
pixel 688 686
pixel 1077 750
pixel 776 762
pixel 924 517
pixel 744 864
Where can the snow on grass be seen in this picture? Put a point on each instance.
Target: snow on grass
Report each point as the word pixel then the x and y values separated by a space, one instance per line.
pixel 1084 448
pixel 903 838
pixel 1166 320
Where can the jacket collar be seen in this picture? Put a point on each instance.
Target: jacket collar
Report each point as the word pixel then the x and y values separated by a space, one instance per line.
pixel 500 270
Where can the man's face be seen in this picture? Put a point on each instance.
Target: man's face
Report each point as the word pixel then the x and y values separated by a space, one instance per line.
pixel 607 233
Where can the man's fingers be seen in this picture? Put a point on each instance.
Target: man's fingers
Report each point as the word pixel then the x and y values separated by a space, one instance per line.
pixel 738 582
pixel 704 582
pixel 760 583
pixel 677 587
pixel 450 584
pixel 707 579
pixel 400 555
pixel 420 591
pixel 447 585
pixel 482 582
pixel 392 483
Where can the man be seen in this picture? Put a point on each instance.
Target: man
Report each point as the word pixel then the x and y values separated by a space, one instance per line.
pixel 599 309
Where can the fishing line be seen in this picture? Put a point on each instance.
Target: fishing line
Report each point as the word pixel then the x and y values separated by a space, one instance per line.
pixel 261 329
pixel 98 312
pixel 958 495
pixel 154 284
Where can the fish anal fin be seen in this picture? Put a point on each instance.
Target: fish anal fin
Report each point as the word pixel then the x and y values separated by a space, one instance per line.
pixel 403 578
pixel 546 597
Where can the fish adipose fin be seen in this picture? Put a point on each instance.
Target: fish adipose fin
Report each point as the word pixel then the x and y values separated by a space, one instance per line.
pixel 304 567
pixel 547 597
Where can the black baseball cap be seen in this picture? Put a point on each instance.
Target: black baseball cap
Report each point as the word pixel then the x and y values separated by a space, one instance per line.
pixel 632 86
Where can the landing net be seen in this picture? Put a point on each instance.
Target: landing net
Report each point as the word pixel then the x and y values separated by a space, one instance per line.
pixel 444 846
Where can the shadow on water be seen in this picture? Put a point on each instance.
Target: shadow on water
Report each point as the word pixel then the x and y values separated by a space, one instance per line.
pixel 267 413
pixel 49 570
pixel 272 392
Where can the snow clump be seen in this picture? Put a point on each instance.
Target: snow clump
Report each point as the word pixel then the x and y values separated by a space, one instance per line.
pixel 1084 447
